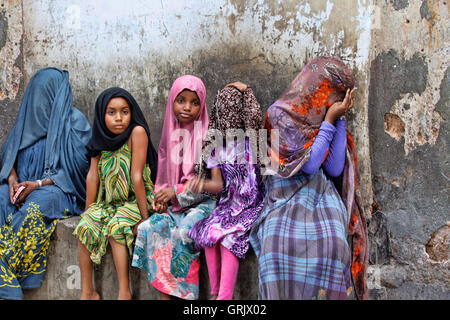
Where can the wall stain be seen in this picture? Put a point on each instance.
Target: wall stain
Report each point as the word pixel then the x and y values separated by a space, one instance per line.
pixel 394 126
pixel 409 87
pixel 438 247
pixel 399 4
pixel 3 29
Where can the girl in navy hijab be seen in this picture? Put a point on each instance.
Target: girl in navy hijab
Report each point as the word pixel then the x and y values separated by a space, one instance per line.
pixel 45 155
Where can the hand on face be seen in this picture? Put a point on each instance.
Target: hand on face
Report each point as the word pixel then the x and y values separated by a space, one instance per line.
pixel 340 108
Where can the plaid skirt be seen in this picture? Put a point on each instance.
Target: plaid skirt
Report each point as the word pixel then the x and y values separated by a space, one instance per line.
pixel 300 240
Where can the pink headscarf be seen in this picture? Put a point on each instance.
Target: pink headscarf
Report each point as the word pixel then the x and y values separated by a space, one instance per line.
pixel 170 172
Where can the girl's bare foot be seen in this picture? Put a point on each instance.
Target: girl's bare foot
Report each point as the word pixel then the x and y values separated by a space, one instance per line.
pixel 91 295
pixel 125 295
pixel 165 296
pixel 213 297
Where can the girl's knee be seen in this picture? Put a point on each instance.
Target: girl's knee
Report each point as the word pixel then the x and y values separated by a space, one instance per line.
pixel 116 241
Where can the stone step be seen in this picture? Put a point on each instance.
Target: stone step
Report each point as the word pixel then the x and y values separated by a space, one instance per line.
pixel 62 279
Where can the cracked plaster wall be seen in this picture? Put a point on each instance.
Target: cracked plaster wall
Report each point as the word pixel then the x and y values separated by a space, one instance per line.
pixel 408 111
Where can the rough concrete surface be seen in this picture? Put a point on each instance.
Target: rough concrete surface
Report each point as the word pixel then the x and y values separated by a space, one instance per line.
pixel 62 279
pixel 408 120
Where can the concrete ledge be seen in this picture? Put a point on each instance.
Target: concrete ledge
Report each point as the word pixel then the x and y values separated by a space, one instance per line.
pixel 62 279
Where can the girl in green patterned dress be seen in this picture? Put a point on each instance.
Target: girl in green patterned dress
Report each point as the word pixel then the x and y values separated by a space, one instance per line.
pixel 119 187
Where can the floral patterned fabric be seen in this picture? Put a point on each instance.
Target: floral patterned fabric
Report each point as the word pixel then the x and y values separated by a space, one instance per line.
pixel 25 233
pixel 167 254
pixel 232 110
pixel 241 200
pixel 240 203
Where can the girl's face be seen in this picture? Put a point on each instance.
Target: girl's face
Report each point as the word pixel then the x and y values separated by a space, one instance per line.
pixel 186 106
pixel 118 115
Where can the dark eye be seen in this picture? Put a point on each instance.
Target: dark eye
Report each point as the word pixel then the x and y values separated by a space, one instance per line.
pixel 110 112
pixel 125 111
pixel 196 103
pixel 180 100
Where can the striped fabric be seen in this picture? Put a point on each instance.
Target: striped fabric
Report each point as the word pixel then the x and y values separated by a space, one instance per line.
pixel 300 240
pixel 115 211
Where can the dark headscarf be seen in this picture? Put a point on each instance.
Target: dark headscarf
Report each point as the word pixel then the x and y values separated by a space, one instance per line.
pixel 232 110
pixel 104 140
pixel 47 111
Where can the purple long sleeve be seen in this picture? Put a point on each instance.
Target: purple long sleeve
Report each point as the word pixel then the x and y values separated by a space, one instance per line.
pixel 334 138
pixel 334 164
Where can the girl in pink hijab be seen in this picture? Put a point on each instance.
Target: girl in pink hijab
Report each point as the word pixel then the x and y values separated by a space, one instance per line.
pixel 163 247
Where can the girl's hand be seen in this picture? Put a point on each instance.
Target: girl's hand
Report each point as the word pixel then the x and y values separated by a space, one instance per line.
pixel 164 195
pixel 195 185
pixel 163 207
pixel 30 186
pixel 238 85
pixel 159 207
pixel 13 186
pixel 340 108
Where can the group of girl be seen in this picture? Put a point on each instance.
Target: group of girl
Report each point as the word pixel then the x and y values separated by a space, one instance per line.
pixel 305 221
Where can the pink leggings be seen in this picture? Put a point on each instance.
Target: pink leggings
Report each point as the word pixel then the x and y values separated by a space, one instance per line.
pixel 222 269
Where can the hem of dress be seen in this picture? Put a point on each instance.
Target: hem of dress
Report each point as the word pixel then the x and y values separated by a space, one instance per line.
pixel 209 244
pixel 173 295
pixel 140 265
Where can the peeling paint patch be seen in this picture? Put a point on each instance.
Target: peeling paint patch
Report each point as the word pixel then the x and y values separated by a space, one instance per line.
pixel 396 183
pixel 422 122
pixel 365 16
pixel 420 27
pixel 394 126
pixel 399 4
pixel 3 29
pixel 409 89
pixel 438 247
pixel 425 10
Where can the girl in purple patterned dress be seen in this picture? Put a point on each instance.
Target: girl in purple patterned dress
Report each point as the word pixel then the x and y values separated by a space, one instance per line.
pixel 224 234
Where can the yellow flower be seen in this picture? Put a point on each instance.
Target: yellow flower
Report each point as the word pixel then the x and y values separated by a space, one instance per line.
pixel 5 275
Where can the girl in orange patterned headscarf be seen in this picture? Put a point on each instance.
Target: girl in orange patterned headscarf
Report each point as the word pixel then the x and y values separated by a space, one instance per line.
pixel 301 236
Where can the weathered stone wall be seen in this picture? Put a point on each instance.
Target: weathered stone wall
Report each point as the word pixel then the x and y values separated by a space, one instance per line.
pixel 398 51
pixel 62 279
pixel 409 138
pixel 11 64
